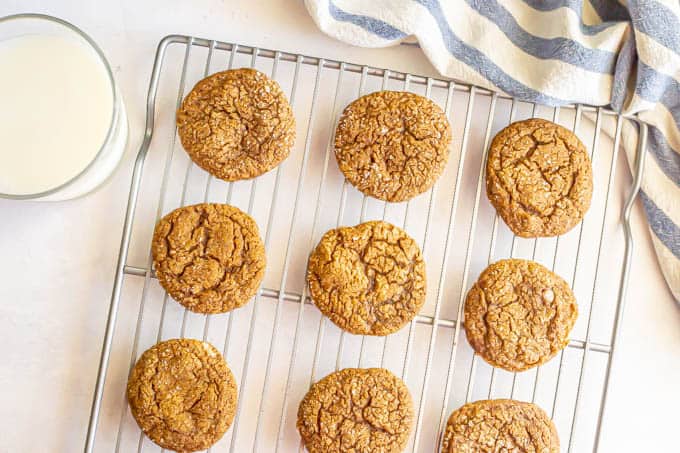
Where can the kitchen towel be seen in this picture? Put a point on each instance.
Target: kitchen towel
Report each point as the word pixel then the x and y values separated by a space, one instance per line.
pixel 624 54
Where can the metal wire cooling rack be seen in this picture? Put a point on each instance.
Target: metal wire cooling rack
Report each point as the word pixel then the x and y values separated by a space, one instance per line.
pixel 278 344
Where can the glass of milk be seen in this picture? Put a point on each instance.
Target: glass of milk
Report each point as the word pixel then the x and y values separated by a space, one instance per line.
pixel 63 127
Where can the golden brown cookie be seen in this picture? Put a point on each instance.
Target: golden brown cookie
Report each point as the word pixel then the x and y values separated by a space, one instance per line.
pixel 539 178
pixel 368 279
pixel 519 314
pixel 392 145
pixel 236 124
pixel 182 394
pixel 492 426
pixel 209 257
pixel 356 410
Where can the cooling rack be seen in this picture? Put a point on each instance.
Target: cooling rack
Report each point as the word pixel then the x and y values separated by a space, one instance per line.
pixel 278 344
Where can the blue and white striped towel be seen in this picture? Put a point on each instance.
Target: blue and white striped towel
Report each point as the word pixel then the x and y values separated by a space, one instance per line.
pixel 602 52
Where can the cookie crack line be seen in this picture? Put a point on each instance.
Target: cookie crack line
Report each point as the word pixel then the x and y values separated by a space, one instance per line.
pixel 208 257
pixel 368 279
pixel 345 410
pixel 503 424
pixel 519 314
pixel 529 208
pixel 182 394
pixel 392 145
pixel 539 178
pixel 236 124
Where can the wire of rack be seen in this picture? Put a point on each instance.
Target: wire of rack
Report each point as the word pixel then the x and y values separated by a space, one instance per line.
pixel 291 342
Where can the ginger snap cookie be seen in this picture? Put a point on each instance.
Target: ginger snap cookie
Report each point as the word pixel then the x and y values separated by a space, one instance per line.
pixel 492 426
pixel 518 314
pixel 368 279
pixel 356 410
pixel 209 257
pixel 182 394
pixel 539 178
pixel 392 145
pixel 236 124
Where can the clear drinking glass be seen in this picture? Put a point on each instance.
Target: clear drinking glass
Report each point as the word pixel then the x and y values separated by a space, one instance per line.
pixel 107 158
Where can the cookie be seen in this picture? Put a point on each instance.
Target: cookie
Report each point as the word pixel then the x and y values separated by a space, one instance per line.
pixel 539 178
pixel 209 257
pixel 236 124
pixel 518 314
pixel 492 426
pixel 368 279
pixel 182 394
pixel 392 145
pixel 356 410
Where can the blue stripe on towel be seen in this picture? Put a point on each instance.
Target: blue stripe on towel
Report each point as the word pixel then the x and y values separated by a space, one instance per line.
pixel 624 68
pixel 662 226
pixel 551 5
pixel 574 5
pixel 375 26
pixel 667 158
pixel 483 64
pixel 657 21
pixel 559 48
pixel 654 86
pixel 610 10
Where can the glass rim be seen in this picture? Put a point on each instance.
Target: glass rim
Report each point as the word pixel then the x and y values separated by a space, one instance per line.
pixel 114 91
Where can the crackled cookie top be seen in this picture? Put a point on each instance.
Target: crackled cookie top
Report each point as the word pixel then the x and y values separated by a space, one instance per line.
pixel 519 314
pixel 539 178
pixel 236 124
pixel 182 394
pixel 493 426
pixel 356 410
pixel 368 279
pixel 392 145
pixel 209 257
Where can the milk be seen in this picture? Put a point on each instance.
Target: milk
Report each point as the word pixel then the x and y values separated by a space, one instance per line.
pixel 56 108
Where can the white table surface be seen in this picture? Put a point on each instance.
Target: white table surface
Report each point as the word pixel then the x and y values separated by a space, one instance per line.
pixel 58 259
